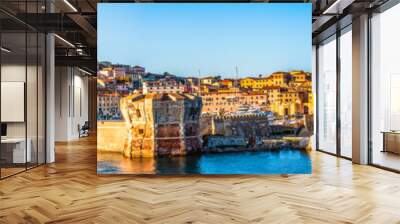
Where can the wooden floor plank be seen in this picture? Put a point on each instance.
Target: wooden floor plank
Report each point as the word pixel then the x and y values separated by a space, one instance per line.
pixel 69 191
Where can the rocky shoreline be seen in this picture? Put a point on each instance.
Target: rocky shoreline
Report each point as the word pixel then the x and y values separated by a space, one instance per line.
pixel 273 144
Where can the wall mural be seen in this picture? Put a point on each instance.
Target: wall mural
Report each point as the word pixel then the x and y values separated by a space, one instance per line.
pixel 204 88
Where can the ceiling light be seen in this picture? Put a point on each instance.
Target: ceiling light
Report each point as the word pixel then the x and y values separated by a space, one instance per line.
pixel 86 72
pixel 79 51
pixel 65 41
pixel 337 7
pixel 70 5
pixel 5 50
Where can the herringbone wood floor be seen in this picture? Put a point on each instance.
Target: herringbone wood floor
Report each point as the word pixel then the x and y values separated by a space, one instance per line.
pixel 69 191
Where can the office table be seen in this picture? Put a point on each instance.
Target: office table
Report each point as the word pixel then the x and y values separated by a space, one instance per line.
pixel 13 150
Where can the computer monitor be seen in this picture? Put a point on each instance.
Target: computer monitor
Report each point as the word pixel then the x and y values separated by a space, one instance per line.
pixel 3 130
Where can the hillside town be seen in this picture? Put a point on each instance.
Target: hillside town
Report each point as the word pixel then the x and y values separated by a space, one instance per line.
pixel 280 94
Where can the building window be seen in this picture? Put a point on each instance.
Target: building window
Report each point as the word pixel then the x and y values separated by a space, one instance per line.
pixel 138 113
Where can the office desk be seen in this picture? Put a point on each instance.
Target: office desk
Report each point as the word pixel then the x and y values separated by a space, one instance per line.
pixel 391 141
pixel 13 150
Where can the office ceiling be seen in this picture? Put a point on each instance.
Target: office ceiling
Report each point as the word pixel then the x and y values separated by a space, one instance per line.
pixel 75 22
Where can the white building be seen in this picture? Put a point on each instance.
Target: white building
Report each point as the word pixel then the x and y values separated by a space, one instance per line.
pixel 108 106
pixel 163 86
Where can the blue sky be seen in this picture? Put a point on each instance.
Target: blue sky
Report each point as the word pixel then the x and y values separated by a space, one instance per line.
pixel 213 38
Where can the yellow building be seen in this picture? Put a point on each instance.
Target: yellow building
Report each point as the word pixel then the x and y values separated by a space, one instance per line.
pixel 289 101
pixel 299 76
pixel 228 90
pixel 209 80
pixel 246 82
pixel 226 83
pixel 279 79
pixel 275 79
pixel 255 83
pixel 282 93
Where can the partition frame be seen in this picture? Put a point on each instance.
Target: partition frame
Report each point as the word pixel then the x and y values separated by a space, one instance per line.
pixel 44 94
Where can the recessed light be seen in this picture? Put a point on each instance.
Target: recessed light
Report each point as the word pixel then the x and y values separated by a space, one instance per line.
pixel 64 40
pixel 70 5
pixel 5 50
pixel 86 72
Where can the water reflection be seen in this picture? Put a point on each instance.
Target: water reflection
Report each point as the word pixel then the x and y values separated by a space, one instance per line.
pixel 284 161
pixel 115 163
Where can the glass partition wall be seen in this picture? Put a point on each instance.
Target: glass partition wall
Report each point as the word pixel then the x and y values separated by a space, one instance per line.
pixel 327 96
pixel 334 94
pixel 22 78
pixel 385 89
pixel 334 105
pixel 345 61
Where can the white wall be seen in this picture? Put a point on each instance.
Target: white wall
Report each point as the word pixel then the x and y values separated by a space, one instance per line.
pixel 33 126
pixel 16 73
pixel 61 103
pixel 11 73
pixel 71 102
pixel 80 109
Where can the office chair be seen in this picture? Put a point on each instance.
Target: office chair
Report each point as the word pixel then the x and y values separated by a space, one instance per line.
pixel 84 130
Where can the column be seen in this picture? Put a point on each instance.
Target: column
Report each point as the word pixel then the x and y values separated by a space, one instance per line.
pixel 360 90
pixel 50 98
